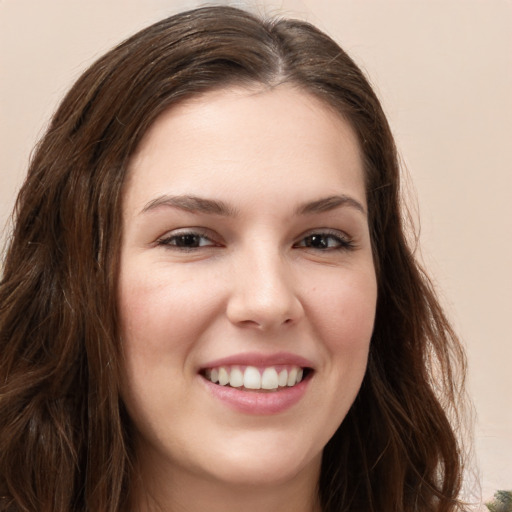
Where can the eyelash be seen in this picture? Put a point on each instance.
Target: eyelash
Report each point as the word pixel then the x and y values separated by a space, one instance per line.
pixel 171 241
pixel 341 241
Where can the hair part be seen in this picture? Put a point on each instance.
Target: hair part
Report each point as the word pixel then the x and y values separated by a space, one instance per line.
pixel 65 440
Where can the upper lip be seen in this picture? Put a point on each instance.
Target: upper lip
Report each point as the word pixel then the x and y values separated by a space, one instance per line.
pixel 259 359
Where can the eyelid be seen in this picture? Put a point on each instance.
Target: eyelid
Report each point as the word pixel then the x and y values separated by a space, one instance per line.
pixel 346 241
pixel 165 240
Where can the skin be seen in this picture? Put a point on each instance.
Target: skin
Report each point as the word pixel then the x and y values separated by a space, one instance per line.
pixel 257 283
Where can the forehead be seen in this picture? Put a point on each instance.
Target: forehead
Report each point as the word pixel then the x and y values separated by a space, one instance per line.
pixel 227 140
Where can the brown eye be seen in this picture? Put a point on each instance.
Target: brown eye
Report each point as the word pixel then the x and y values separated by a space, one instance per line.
pixel 186 240
pixel 325 241
pixel 318 241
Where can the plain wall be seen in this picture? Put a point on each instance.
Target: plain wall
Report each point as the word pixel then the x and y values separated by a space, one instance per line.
pixel 443 70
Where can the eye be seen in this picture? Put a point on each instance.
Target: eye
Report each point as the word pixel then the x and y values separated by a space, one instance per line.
pixel 325 241
pixel 186 240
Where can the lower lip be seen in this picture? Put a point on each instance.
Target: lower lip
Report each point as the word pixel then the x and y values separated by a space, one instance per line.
pixel 258 403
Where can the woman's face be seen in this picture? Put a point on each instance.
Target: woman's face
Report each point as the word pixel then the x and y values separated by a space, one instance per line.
pixel 245 263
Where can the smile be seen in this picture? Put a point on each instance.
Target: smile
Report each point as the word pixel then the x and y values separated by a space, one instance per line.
pixel 269 378
pixel 258 384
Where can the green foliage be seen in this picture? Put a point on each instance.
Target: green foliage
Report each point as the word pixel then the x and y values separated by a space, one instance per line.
pixel 502 502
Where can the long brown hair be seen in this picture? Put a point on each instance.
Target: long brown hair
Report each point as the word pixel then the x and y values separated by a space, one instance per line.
pixel 65 440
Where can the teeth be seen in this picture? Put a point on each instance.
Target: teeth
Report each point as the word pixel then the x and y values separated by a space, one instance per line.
pixel 282 380
pixel 223 376
pixel 236 379
pixel 252 378
pixel 269 379
pixel 292 377
pixel 255 378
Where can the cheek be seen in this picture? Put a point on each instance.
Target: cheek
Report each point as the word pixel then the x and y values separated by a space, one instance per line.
pixel 162 316
pixel 344 311
pixel 163 310
pixel 161 319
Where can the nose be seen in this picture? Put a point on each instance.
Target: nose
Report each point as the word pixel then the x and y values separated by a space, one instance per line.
pixel 263 293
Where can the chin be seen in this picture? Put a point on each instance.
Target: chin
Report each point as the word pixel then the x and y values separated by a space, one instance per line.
pixel 262 460
pixel 265 471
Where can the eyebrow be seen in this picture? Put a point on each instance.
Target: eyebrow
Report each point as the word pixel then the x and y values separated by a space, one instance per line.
pixel 195 204
pixel 330 203
pixel 192 204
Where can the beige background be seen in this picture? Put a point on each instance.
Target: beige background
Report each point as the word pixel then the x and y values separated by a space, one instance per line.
pixel 443 70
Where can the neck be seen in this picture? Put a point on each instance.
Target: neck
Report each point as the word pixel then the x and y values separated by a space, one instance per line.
pixel 183 491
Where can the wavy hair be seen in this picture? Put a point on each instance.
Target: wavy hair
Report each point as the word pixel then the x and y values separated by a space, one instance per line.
pixel 65 438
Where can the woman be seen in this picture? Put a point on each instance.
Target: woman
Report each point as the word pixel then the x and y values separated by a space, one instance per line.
pixel 209 301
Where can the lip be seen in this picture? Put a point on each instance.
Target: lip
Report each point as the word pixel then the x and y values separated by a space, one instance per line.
pixel 260 360
pixel 256 402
